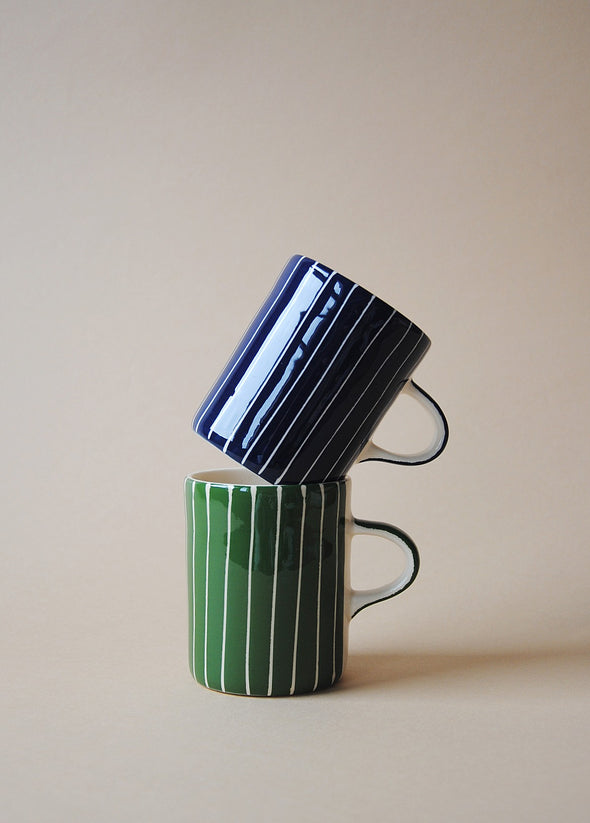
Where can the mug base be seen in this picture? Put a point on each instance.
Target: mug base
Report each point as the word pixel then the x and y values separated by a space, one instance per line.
pixel 275 693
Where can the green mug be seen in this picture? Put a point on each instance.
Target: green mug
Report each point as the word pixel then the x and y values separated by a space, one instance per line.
pixel 269 581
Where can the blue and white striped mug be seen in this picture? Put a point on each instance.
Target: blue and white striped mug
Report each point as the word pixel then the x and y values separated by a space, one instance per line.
pixel 311 379
pixel 269 581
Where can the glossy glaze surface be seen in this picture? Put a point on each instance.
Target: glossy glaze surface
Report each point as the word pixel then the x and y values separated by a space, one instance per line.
pixel 266 570
pixel 317 369
pixel 268 582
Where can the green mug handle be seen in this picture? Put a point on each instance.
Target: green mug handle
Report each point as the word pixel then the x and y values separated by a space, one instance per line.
pixel 360 599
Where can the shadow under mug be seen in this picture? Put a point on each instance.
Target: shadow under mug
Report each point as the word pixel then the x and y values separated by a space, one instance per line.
pixel 269 581
pixel 312 377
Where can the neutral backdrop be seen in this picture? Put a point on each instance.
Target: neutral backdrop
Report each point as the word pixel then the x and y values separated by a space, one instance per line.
pixel 160 163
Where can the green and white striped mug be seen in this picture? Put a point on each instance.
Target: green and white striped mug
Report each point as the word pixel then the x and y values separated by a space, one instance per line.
pixel 269 581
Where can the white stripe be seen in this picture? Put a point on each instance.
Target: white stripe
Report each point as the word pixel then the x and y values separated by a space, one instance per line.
pixel 315 351
pixel 274 593
pixel 194 491
pixel 229 411
pixel 272 371
pixel 337 547
pixel 358 320
pixel 244 347
pixel 317 638
pixel 332 399
pixel 296 637
pixel 227 548
pixel 250 559
pixel 375 405
pixel 208 503
pixel 366 389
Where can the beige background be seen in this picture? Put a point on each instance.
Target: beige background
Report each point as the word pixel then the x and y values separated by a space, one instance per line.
pixel 160 162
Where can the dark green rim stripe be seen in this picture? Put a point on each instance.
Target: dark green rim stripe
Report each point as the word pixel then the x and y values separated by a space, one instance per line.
pixel 297 607
pixel 190 532
pixel 207 499
pixel 318 611
pixel 194 579
pixel 274 589
pixel 250 561
pixel 225 583
pixel 337 543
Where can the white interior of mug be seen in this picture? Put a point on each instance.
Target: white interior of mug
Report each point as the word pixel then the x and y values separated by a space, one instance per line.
pixel 240 476
pixel 231 477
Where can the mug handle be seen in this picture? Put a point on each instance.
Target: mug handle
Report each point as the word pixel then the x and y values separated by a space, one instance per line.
pixel 441 436
pixel 360 599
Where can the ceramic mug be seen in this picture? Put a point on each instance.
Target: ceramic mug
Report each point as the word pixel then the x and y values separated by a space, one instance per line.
pixel 312 377
pixel 269 581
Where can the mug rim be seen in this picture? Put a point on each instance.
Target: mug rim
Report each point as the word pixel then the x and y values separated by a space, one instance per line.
pixel 351 282
pixel 244 478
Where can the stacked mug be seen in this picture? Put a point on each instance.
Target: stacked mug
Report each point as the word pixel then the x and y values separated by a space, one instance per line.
pixel 268 542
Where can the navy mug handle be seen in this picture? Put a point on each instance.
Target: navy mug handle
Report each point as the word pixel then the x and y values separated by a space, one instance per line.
pixel 373 452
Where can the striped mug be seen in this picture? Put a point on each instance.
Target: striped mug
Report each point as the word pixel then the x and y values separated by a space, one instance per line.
pixel 269 581
pixel 312 377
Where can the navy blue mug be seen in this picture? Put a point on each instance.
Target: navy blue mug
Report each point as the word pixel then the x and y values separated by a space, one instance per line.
pixel 312 377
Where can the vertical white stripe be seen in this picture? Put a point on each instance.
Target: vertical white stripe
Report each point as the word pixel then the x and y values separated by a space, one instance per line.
pixel 358 320
pixel 250 561
pixel 193 493
pixel 274 592
pixel 301 373
pixel 296 635
pixel 244 347
pixel 367 387
pixel 374 406
pixel 337 549
pixel 225 584
pixel 208 508
pixel 332 399
pixel 272 371
pixel 357 401
pixel 320 556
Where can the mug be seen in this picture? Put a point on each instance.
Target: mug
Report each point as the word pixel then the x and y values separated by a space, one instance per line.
pixel 269 581
pixel 311 379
